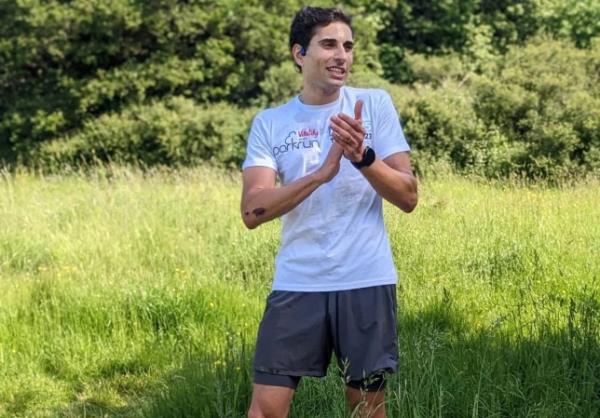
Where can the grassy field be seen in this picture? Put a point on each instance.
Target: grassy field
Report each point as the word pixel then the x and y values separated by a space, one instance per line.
pixel 130 294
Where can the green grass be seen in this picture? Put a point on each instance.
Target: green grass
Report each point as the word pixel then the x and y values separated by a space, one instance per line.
pixel 131 294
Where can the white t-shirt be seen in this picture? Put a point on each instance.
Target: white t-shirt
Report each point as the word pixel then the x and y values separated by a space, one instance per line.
pixel 335 239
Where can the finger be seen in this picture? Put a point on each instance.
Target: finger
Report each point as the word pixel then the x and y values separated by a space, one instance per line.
pixel 352 153
pixel 348 124
pixel 345 137
pixel 356 124
pixel 345 148
pixel 351 138
pixel 342 126
pixel 358 110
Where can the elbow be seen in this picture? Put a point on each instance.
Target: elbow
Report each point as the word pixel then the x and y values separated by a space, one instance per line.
pixel 410 203
pixel 247 218
pixel 408 208
pixel 251 225
pixel 253 218
pixel 249 222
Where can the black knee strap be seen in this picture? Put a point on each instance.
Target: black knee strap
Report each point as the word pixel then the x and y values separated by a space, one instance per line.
pixel 373 383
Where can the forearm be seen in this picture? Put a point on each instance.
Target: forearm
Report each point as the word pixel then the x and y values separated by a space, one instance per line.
pixel 395 186
pixel 263 205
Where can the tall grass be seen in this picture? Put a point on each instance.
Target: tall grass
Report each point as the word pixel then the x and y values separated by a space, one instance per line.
pixel 139 294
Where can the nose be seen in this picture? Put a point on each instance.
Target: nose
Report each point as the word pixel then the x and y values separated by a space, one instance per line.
pixel 340 53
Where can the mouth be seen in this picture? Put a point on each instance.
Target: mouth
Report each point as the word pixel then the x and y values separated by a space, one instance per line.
pixel 337 72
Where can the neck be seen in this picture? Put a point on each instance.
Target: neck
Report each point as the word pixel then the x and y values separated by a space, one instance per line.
pixel 311 96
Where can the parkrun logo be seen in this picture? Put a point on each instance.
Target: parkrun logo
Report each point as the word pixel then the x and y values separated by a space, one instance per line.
pixel 304 138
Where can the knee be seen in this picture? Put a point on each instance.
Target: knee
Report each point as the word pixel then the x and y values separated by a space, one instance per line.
pixel 255 412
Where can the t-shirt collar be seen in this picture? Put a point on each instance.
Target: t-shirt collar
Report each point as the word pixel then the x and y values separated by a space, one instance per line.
pixel 322 107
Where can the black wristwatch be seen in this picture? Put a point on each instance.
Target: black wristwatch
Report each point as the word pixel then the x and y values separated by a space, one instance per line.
pixel 367 158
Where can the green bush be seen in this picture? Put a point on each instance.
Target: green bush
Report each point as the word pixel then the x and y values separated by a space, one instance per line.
pixel 281 82
pixel 176 131
pixel 552 110
pixel 478 28
pixel 177 82
pixel 441 125
pixel 518 117
pixel 63 64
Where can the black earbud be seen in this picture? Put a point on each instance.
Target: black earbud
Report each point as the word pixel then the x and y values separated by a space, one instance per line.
pixel 302 51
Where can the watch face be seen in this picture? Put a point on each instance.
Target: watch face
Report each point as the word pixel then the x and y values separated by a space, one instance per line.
pixel 367 160
pixel 369 157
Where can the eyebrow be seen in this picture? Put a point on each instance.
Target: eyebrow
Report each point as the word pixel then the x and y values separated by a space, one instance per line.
pixel 333 40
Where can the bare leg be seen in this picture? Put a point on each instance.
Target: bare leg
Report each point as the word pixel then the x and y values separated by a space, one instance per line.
pixel 270 401
pixel 366 404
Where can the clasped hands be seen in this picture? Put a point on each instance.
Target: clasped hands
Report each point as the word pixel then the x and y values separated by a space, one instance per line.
pixel 349 133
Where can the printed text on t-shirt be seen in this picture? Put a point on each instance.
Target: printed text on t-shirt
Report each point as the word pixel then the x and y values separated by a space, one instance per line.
pixel 304 138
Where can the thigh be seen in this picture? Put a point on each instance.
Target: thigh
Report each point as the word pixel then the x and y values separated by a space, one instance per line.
pixel 365 338
pixel 293 337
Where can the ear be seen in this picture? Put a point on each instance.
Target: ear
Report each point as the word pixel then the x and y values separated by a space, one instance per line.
pixel 297 55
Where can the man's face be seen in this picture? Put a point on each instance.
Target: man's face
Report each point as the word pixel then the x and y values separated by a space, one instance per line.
pixel 328 57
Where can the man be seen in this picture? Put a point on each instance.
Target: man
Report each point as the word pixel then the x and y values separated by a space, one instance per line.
pixel 337 151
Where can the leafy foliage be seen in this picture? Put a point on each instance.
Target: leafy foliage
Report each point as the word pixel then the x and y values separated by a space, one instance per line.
pixel 174 132
pixel 87 81
pixel 540 121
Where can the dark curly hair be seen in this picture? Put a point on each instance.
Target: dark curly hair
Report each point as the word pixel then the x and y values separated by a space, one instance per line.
pixel 308 19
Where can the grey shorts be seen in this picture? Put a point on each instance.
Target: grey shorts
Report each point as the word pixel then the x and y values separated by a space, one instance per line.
pixel 300 330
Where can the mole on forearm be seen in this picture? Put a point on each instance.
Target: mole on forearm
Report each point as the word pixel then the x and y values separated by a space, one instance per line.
pixel 259 212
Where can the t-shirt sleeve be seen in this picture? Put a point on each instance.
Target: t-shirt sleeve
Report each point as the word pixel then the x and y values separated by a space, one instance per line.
pixel 388 136
pixel 259 152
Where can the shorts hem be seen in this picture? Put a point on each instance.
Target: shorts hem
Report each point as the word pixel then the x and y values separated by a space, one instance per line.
pixel 389 369
pixel 296 373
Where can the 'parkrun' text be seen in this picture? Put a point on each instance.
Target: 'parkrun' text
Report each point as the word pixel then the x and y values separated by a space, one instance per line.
pixel 302 139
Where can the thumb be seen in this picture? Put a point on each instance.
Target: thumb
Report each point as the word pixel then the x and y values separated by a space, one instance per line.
pixel 358 110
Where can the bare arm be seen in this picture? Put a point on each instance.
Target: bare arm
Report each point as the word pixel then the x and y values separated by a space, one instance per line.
pixel 393 179
pixel 262 201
